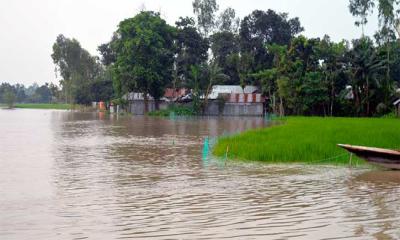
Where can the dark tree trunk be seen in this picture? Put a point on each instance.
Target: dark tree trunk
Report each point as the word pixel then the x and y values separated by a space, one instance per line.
pixel 281 108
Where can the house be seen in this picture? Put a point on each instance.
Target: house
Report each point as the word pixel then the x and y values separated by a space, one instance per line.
pixel 175 94
pixel 218 90
pixel 234 100
pixel 397 107
pixel 137 104
pixel 224 100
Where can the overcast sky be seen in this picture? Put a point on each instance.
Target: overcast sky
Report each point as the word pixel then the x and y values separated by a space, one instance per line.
pixel 30 27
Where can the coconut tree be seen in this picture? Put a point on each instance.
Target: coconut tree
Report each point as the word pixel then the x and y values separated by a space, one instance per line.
pixel 215 75
pixel 366 68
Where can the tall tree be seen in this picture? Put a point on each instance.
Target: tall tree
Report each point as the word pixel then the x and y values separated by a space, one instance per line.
pixel 388 13
pixel 205 12
pixel 333 64
pixel 9 98
pixel 108 56
pixel 367 73
pixel 192 49
pixel 225 47
pixel 144 55
pixel 361 9
pixel 43 94
pixel 262 28
pixel 228 22
pixel 215 76
pixel 76 67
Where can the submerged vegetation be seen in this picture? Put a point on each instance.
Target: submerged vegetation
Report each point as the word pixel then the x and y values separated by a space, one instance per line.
pixel 310 140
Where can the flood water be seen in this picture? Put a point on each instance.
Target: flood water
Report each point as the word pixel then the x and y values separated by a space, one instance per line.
pixel 66 175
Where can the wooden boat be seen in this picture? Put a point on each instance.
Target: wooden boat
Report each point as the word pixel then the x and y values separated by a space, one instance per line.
pixel 379 156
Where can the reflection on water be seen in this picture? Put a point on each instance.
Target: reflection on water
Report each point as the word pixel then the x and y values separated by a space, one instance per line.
pixel 70 175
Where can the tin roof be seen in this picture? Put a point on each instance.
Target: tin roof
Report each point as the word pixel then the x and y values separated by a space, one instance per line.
pixel 230 89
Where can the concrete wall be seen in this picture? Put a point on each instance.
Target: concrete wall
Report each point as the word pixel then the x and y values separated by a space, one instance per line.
pixel 137 107
pixel 235 109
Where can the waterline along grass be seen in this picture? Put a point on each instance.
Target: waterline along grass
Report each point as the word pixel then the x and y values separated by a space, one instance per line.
pixel 310 140
pixel 56 106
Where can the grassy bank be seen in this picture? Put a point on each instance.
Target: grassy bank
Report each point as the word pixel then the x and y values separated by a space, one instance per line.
pixel 310 140
pixel 44 106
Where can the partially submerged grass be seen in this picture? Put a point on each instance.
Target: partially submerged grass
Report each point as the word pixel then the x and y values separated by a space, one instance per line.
pixel 310 140
pixel 56 106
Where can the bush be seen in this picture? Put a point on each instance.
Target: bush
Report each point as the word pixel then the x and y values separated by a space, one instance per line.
pixel 177 110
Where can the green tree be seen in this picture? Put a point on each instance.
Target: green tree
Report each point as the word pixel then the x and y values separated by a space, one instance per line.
pixel 192 49
pixel 333 64
pixel 262 28
pixel 228 22
pixel 9 98
pixel 77 69
pixel 273 81
pixel 20 94
pixel 226 52
pixel 144 55
pixel 43 94
pixel 205 12
pixel 102 88
pixel 361 9
pixel 215 76
pixel 108 56
pixel 367 74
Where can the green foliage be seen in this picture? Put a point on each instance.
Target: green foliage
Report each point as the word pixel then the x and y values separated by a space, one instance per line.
pixel 33 94
pixel 9 98
pixel 120 101
pixel 227 21
pixel 101 89
pixel 225 48
pixel 361 9
pixel 174 109
pixel 263 28
pixel 144 55
pixel 367 74
pixel 57 106
pixel 221 101
pixel 205 13
pixel 310 140
pixel 191 50
pixel 77 68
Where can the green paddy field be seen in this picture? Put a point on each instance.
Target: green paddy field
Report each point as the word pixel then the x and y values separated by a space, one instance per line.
pixel 310 140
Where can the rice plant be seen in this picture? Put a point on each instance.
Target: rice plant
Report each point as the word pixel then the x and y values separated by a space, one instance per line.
pixel 310 140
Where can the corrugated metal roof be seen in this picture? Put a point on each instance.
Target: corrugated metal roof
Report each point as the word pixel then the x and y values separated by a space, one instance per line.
pixel 397 102
pixel 230 89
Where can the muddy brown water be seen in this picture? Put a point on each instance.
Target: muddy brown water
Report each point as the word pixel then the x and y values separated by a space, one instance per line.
pixel 66 175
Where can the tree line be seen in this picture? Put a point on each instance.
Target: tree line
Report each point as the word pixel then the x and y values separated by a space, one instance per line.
pixel 298 75
pixel 47 93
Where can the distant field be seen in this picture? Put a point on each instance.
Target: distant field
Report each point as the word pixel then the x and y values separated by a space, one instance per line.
pixel 44 106
pixel 310 140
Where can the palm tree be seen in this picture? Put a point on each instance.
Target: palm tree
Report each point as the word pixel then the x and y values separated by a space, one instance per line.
pixel 216 75
pixel 366 68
